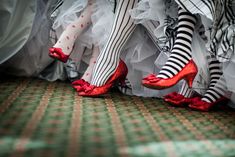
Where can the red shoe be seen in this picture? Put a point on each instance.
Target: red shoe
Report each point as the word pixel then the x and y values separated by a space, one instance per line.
pixel 199 104
pixel 188 73
pixel 80 84
pixel 119 75
pixel 57 53
pixel 177 99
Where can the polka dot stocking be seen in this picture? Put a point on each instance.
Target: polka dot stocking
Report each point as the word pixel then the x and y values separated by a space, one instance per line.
pixel 88 73
pixel 73 30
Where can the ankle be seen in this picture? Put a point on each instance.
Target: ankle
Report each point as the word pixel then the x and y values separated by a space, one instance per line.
pixel 206 100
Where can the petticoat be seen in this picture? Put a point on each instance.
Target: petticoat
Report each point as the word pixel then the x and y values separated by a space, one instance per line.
pixel 15 28
pixel 30 57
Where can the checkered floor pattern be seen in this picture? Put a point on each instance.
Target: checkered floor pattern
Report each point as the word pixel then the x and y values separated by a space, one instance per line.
pixel 48 119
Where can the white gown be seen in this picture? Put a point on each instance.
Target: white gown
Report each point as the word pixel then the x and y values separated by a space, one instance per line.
pixel 25 52
pixel 15 28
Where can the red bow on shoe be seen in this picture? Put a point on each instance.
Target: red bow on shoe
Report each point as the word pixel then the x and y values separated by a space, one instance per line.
pixel 57 53
pixel 118 76
pixel 80 84
pixel 177 99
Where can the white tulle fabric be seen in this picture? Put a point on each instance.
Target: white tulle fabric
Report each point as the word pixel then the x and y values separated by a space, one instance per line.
pixel 102 21
pixel 16 24
pixel 69 12
pixel 32 58
pixel 154 10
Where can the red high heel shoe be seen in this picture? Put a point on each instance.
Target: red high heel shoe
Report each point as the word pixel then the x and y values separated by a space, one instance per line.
pixel 188 73
pixel 199 104
pixel 119 75
pixel 57 53
pixel 80 84
pixel 177 99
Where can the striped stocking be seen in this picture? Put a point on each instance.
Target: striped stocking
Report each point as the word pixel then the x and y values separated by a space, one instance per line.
pixel 186 91
pixel 217 83
pixel 181 51
pixel 108 59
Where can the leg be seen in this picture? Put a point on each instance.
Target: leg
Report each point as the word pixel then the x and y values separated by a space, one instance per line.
pixel 109 68
pixel 181 52
pixel 86 78
pixel 108 59
pixel 216 90
pixel 179 64
pixel 66 41
pixel 186 91
pixel 88 73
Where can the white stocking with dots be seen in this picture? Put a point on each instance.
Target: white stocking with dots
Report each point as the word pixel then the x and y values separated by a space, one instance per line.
pixel 73 30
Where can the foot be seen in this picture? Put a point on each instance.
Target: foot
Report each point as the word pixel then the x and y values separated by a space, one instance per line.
pixel 118 76
pixel 188 73
pixel 80 84
pixel 201 105
pixel 177 99
pixel 216 90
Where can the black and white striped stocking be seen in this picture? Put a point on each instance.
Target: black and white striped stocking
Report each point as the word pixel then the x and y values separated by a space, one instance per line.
pixel 122 29
pixel 186 91
pixel 216 88
pixel 181 52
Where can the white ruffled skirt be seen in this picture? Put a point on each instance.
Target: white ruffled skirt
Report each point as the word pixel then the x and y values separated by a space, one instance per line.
pixel 28 42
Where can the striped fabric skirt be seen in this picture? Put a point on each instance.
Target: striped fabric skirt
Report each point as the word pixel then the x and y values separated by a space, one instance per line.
pixel 222 30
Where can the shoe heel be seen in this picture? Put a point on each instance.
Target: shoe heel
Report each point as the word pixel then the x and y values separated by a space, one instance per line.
pixel 189 78
pixel 118 76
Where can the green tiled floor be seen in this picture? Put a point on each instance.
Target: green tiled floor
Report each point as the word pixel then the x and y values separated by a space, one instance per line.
pixel 40 119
